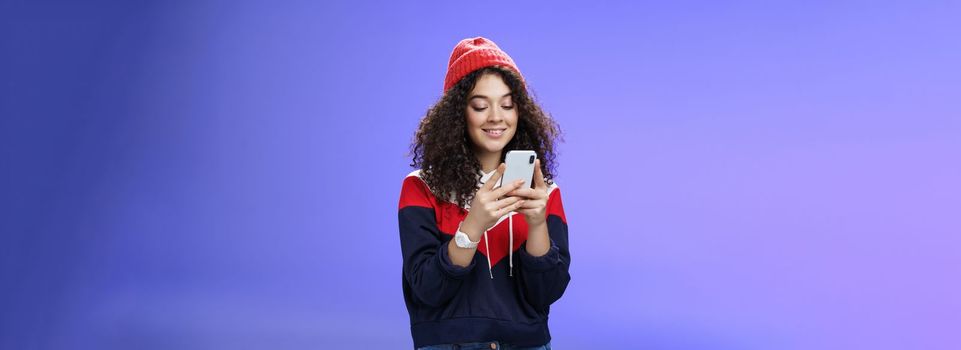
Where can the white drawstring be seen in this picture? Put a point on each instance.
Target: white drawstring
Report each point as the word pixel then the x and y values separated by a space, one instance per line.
pixel 510 244
pixel 488 246
pixel 510 247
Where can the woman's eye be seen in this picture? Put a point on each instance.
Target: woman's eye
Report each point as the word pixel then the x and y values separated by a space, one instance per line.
pixel 508 107
pixel 478 109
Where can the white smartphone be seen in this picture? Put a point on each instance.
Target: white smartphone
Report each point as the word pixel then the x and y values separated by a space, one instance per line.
pixel 520 166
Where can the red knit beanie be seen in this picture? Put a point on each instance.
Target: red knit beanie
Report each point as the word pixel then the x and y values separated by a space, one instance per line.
pixel 472 54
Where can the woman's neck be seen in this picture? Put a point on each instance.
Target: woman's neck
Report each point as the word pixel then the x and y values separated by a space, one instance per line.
pixel 488 160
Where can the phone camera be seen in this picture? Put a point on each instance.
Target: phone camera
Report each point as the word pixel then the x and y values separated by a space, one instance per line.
pixel 531 161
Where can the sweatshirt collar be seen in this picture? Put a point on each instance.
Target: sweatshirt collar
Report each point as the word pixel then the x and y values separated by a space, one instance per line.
pixel 485 176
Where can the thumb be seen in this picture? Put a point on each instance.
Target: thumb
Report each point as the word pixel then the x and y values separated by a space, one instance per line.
pixel 539 175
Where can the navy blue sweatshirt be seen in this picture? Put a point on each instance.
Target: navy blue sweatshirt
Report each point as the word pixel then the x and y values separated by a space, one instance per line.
pixel 507 302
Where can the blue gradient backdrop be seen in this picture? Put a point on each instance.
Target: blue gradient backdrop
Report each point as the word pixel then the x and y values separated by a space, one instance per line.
pixel 225 175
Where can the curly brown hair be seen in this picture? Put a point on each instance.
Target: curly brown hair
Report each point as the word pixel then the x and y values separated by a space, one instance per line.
pixel 443 150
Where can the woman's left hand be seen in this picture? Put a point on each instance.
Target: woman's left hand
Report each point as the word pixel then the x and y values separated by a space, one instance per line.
pixel 535 204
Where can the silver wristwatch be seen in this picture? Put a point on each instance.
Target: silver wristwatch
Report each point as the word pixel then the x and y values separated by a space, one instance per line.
pixel 463 241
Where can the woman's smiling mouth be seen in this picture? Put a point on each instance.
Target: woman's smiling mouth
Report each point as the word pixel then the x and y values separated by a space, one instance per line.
pixel 494 133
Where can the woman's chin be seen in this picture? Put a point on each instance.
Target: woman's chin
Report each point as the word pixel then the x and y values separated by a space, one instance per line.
pixel 492 148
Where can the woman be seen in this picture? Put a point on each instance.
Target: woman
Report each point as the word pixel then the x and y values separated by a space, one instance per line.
pixel 459 232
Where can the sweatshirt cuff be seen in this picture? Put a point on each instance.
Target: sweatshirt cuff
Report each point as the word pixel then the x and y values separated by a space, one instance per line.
pixel 451 270
pixel 542 263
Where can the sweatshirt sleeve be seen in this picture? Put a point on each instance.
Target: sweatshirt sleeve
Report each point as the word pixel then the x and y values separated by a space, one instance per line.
pixel 546 277
pixel 432 277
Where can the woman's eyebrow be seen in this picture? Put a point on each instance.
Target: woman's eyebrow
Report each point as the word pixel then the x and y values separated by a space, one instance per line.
pixel 485 97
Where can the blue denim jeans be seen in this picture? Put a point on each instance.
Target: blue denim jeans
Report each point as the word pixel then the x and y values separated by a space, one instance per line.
pixel 491 345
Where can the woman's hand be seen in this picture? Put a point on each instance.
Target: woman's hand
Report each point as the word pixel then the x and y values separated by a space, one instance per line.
pixel 490 204
pixel 534 206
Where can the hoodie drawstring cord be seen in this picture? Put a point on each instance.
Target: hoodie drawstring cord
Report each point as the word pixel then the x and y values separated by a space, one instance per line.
pixel 510 244
pixel 488 246
pixel 510 247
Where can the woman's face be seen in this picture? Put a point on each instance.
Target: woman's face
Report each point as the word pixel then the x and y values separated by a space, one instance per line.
pixel 491 114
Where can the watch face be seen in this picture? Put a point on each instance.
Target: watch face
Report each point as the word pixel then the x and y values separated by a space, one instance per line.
pixel 463 241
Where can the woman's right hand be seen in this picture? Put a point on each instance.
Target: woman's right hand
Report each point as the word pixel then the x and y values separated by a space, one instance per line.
pixel 490 204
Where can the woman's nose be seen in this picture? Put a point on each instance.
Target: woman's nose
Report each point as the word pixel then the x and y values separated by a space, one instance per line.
pixel 495 115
